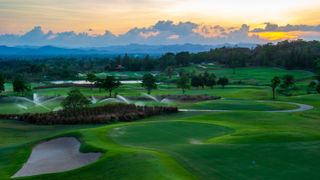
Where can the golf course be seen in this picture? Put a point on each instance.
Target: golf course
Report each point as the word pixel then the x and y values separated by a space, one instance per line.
pixel 160 90
pixel 243 134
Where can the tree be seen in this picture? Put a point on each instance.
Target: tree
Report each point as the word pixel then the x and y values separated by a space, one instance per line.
pixel 169 72
pixel 167 60
pixel 2 81
pixel 233 60
pixel 197 81
pixel 318 88
pixel 183 58
pixel 91 77
pixel 317 61
pixel 274 84
pixel 183 83
pixel 210 80
pixel 149 82
pixel 109 84
pixel 288 81
pixel 20 86
pixel 75 100
pixel 312 87
pixel 223 81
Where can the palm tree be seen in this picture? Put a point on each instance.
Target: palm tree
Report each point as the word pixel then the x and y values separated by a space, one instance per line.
pixel 274 84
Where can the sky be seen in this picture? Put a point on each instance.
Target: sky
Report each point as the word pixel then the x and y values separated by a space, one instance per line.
pixel 114 22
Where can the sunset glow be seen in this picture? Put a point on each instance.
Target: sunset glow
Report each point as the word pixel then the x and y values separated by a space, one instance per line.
pixel 275 36
pixel 118 17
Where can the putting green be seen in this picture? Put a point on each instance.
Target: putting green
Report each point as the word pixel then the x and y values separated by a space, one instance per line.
pixel 167 133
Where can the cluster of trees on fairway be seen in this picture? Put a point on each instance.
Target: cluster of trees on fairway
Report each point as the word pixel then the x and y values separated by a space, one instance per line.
pixel 288 54
pixel 18 84
pixel 149 82
pixel 314 86
pixel 110 83
pixel 75 100
pixel 208 80
pixel 286 84
pixel 95 115
pixel 202 80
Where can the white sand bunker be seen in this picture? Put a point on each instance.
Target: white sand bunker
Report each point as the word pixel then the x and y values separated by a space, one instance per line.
pixel 56 155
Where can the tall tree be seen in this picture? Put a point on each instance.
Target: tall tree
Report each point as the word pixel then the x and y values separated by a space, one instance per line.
pixel 91 77
pixel 210 80
pixel 183 58
pixel 20 86
pixel 317 61
pixel 197 81
pixel 167 60
pixel 149 82
pixel 169 71
pixel 183 83
pixel 2 81
pixel 223 81
pixel 109 84
pixel 288 81
pixel 275 82
pixel 75 100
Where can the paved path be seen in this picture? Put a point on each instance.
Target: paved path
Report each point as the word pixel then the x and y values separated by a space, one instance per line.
pixel 301 107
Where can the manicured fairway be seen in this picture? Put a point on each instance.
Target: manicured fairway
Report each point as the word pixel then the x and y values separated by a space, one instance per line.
pixel 245 143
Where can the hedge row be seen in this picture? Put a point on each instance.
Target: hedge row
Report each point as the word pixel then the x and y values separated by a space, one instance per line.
pixel 66 85
pixel 94 115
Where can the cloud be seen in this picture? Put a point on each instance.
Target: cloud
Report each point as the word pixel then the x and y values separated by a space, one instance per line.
pixel 164 33
pixel 269 27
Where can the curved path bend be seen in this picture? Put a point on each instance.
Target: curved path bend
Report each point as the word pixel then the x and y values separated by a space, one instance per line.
pixel 301 107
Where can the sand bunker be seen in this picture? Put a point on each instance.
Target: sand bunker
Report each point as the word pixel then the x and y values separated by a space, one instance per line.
pixel 56 155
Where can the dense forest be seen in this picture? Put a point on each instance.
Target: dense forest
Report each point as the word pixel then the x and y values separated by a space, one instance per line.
pixel 287 54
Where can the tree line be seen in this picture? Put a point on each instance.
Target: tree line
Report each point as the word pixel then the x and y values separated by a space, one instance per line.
pixel 297 54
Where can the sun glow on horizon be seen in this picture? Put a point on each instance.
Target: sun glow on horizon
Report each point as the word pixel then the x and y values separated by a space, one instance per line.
pixel 278 36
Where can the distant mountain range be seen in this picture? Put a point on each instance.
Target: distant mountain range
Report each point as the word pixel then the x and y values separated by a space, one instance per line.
pixel 132 49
